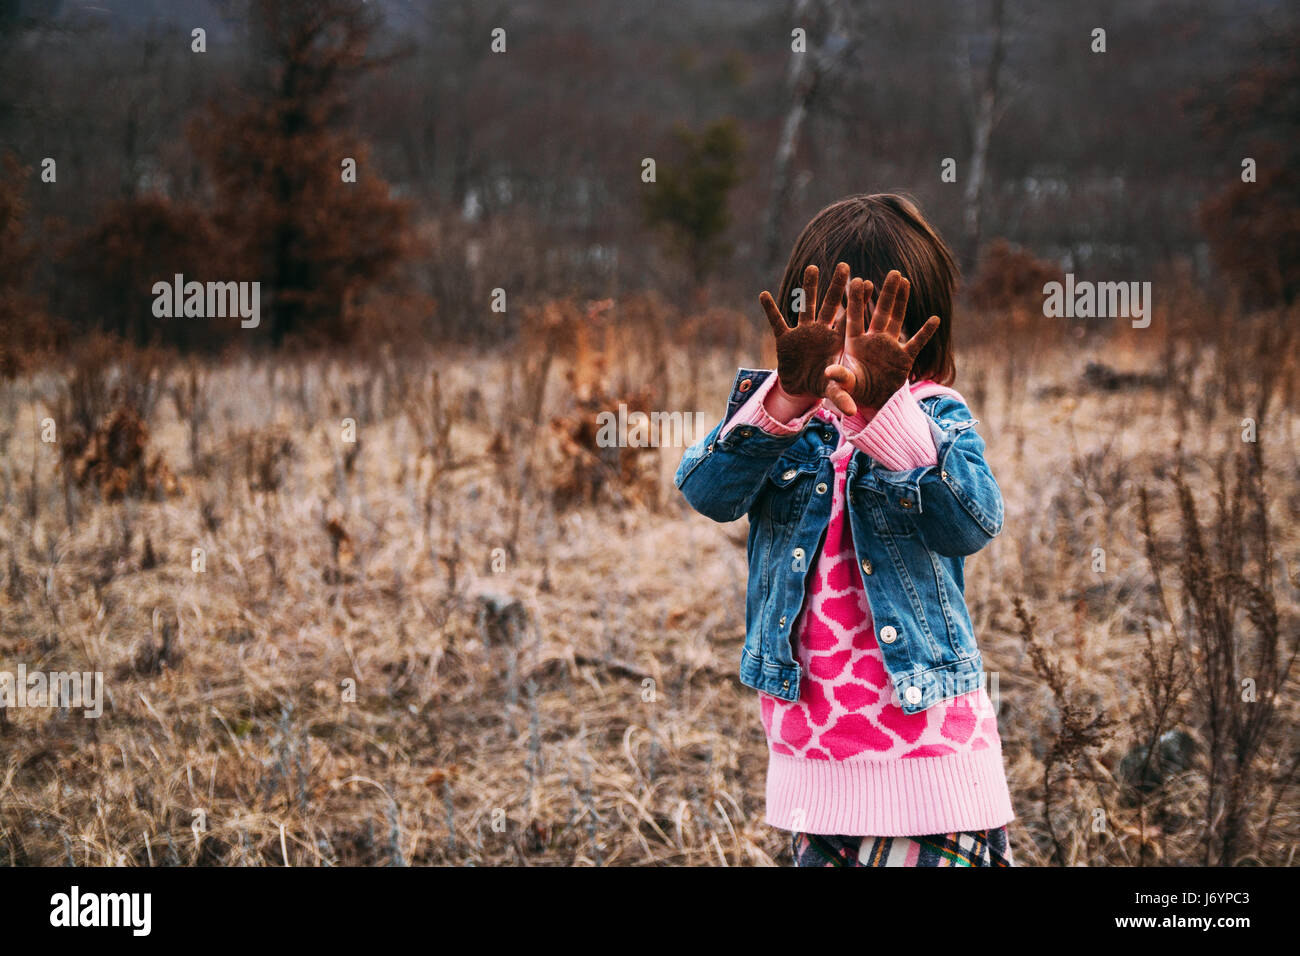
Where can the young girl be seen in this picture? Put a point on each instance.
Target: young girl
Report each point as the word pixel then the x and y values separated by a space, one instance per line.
pixel 866 486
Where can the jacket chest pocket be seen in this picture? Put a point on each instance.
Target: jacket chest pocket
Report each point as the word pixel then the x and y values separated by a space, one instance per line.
pixel 787 489
pixel 891 511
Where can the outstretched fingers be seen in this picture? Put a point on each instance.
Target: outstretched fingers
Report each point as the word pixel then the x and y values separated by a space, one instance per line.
pixel 899 311
pixel 917 341
pixel 774 317
pixel 859 293
pixel 885 302
pixel 809 294
pixel 834 294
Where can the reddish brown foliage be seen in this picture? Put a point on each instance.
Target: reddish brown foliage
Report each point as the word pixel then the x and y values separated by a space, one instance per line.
pixel 287 216
pixel 28 336
pixel 114 458
pixel 1010 277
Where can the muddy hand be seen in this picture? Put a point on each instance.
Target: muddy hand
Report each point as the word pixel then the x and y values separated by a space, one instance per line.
pixel 804 351
pixel 876 362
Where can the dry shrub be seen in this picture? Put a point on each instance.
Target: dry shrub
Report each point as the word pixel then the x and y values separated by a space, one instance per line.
pixel 191 401
pixel 372 322
pixel 1240 362
pixel 29 339
pixel 567 453
pixel 115 460
pixel 432 416
pixel 583 470
pixel 1005 312
pixel 1010 278
pixel 1239 647
pixel 549 333
pixel 342 551
pixel 104 410
pixel 1161 748
pixel 267 453
pixel 1078 731
pixel 107 373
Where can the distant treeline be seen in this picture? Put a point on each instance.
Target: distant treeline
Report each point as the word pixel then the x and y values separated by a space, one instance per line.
pixel 388 165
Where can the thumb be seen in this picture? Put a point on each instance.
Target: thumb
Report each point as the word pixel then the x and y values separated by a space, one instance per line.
pixel 841 399
pixel 841 375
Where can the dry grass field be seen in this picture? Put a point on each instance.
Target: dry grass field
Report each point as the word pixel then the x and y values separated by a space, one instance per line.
pixel 472 637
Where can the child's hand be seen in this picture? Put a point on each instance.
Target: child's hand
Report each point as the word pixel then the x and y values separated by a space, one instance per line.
pixel 875 363
pixel 804 352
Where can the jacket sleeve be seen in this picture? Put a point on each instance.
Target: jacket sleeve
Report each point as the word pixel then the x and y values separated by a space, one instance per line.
pixel 722 474
pixel 955 503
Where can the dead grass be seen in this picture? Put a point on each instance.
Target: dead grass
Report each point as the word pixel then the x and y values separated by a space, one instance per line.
pixel 431 646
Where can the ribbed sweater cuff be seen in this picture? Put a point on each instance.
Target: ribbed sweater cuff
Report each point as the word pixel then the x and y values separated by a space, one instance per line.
pixel 898 436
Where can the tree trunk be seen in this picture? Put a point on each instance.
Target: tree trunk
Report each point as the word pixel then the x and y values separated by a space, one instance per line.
pixel 806 71
pixel 985 110
pixel 801 85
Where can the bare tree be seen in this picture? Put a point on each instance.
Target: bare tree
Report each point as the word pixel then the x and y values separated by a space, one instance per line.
pixel 983 88
pixel 808 69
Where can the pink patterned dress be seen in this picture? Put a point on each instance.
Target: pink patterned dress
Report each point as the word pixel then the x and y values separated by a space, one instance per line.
pixel 844 759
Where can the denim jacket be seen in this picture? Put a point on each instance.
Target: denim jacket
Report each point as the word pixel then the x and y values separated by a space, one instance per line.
pixel 911 532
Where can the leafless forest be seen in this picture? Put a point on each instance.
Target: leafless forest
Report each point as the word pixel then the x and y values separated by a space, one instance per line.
pixel 363 586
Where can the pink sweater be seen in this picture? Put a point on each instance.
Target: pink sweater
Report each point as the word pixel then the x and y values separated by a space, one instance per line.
pixel 844 758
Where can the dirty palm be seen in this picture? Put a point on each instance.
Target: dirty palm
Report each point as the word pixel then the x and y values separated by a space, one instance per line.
pixel 866 487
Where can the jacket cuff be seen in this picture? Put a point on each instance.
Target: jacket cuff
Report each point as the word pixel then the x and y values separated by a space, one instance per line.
pixel 898 435
pixel 754 413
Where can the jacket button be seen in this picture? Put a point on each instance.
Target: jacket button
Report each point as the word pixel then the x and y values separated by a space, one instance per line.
pixel 782 620
pixel 821 487
pixel 744 386
pixel 888 634
pixel 789 474
pixel 913 695
pixel 943 474
pixel 745 432
pixel 798 553
pixel 786 684
pixel 904 502
pixel 866 566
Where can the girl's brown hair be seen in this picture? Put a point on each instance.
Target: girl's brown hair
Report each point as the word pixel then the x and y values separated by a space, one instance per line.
pixel 875 234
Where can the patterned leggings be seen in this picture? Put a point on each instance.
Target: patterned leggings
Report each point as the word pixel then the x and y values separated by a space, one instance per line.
pixel 971 848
